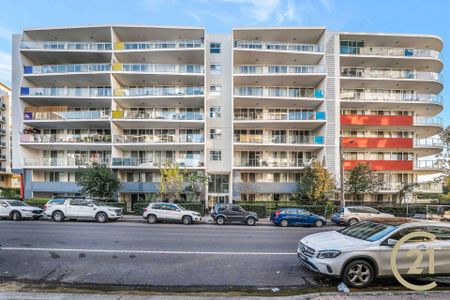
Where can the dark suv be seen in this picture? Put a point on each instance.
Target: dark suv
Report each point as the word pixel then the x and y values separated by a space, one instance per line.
pixel 230 213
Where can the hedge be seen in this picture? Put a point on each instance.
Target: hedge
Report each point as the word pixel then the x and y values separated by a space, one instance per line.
pixel 138 207
pixel 260 210
pixel 38 202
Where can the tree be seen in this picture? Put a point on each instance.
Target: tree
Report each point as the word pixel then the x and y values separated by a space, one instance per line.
pixel 316 185
pixel 98 181
pixel 360 180
pixel 198 182
pixel 171 181
pixel 406 191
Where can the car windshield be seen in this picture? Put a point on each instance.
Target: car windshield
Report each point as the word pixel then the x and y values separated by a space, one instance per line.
pixel 181 207
pixel 368 231
pixel 97 203
pixel 16 203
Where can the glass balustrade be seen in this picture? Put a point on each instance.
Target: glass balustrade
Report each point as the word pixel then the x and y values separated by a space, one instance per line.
pixel 435 121
pixel 66 45
pixel 159 91
pixel 277 139
pixel 281 69
pixel 287 92
pixel 169 138
pixel 428 142
pixel 278 46
pixel 67 91
pixel 281 163
pixel 64 161
pixel 145 163
pixel 143 45
pixel 67 115
pixel 390 73
pixel 158 115
pixel 160 68
pixel 390 96
pixel 278 116
pixel 428 164
pixel 389 51
pixel 65 138
pixel 67 68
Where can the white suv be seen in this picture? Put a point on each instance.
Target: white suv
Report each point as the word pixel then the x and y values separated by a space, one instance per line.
pixel 81 209
pixel 354 214
pixel 170 212
pixel 359 253
pixel 16 210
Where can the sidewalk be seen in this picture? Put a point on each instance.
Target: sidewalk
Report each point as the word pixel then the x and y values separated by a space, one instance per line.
pixel 318 296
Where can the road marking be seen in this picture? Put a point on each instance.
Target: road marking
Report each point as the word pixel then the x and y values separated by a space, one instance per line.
pixel 141 251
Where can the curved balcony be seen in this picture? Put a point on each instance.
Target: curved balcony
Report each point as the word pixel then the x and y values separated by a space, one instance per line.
pixel 63 162
pixel 389 51
pixel 429 121
pixel 65 45
pixel 428 143
pixel 374 73
pixel 434 166
pixel 424 103
pixel 277 46
pixel 132 162
pixel 159 45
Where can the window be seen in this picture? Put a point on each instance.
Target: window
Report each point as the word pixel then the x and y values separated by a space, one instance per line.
pixel 215 68
pixel 218 183
pixel 214 112
pixel 215 133
pixel 214 48
pixel 215 155
pixel 215 89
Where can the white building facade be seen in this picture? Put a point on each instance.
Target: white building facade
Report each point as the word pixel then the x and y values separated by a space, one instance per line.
pixel 250 109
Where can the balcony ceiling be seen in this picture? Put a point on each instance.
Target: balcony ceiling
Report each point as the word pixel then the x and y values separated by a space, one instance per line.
pixel 254 56
pixel 427 64
pixel 70 124
pixel 301 80
pixel 396 40
pixel 149 79
pixel 419 85
pixel 69 79
pixel 149 33
pixel 311 35
pixel 73 102
pixel 275 102
pixel 176 101
pixel 88 33
pixel 161 56
pixel 420 108
pixel 42 57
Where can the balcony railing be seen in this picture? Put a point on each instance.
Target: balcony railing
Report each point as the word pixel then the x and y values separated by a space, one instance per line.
pixel 159 68
pixel 67 68
pixel 429 187
pixel 159 91
pixel 157 139
pixel 390 96
pixel 278 46
pixel 430 142
pixel 64 162
pixel 428 164
pixel 66 45
pixel 68 115
pixel 65 138
pixel 281 69
pixel 281 163
pixel 277 139
pixel 390 74
pixel 280 116
pixel 157 115
pixel 386 51
pixel 286 92
pixel 143 163
pixel 434 121
pixel 66 91
pixel 174 44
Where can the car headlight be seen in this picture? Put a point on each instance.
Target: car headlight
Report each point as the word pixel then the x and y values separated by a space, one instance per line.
pixel 328 253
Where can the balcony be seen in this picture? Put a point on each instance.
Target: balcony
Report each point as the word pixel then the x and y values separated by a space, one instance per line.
pixel 158 115
pixel 277 46
pixel 163 91
pixel 132 162
pixel 66 92
pixel 160 142
pixel 67 68
pixel 376 142
pixel 390 96
pixel 279 69
pixel 381 165
pixel 389 51
pixel 261 163
pixel 65 45
pixel 429 121
pixel 379 73
pixel 80 115
pixel 376 120
pixel 65 138
pixel 435 166
pixel 160 68
pixel 65 162
pixel 159 45
pixel 428 187
pixel 250 141
pixel 428 143
pixel 2 131
pixel 279 116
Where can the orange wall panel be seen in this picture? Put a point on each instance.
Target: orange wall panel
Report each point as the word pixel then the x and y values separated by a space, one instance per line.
pixel 376 120
pixel 382 165
pixel 359 142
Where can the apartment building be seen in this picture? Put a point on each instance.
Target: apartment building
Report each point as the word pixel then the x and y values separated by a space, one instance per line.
pixel 251 109
pixel 6 177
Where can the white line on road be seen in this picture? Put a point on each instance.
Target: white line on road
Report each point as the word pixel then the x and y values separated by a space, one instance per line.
pixel 141 251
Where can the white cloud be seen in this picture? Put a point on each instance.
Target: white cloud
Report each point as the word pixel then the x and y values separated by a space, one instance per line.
pixel 5 33
pixel 5 67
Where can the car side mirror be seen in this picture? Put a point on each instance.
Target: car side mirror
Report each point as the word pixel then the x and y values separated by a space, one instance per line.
pixel 391 242
pixel 90 205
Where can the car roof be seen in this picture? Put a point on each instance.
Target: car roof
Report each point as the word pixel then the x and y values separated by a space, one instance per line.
pixel 407 222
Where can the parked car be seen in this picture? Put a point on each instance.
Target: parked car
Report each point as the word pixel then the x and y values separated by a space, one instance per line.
pixel 155 212
pixel 354 214
pixel 357 254
pixel 232 213
pixel 77 208
pixel 16 210
pixel 296 216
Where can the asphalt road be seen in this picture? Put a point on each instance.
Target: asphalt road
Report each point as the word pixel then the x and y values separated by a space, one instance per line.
pixel 200 257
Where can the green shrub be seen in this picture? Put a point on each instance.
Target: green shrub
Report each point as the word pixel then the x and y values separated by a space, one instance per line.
pixel 38 202
pixel 138 207
pixel 260 210
pixel 10 193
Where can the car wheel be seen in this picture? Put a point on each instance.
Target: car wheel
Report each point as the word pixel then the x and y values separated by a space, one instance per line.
pixel 352 222
pixel 101 217
pixel 358 274
pixel 318 223
pixel 16 216
pixel 220 220
pixel 250 221
pixel 58 216
pixel 284 223
pixel 151 219
pixel 186 220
